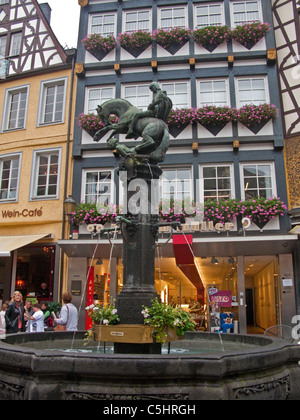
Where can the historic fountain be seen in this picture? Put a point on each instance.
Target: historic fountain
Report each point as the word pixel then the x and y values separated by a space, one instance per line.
pixel 201 366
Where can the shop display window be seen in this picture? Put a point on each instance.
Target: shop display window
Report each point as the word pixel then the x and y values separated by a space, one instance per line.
pixel 35 272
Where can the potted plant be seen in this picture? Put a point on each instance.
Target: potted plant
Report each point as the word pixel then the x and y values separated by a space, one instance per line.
pixel 250 33
pixel 211 37
pixel 165 319
pixel 172 39
pixel 135 42
pixel 98 45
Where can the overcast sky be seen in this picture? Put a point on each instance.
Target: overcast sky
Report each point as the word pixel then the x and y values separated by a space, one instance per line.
pixel 64 20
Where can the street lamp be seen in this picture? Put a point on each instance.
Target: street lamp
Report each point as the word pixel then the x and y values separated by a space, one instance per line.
pixel 69 205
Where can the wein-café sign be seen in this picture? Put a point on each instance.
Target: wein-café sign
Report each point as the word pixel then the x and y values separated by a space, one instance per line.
pixel 23 213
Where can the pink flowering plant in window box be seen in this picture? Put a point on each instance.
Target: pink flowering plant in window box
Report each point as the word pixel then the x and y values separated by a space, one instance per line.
pixel 136 40
pixel 95 43
pixel 94 213
pixel 250 33
pixel 177 210
pixel 211 35
pixel 250 115
pixel 166 37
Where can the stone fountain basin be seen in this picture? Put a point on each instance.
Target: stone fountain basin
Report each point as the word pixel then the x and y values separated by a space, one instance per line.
pixel 200 367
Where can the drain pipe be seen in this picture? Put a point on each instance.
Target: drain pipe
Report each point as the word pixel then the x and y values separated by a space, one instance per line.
pixel 62 255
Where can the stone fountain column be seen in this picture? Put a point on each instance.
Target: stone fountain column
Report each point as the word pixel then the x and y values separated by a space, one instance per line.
pixel 139 236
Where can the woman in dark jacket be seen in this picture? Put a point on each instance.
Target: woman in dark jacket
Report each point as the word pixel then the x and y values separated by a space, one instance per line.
pixel 14 315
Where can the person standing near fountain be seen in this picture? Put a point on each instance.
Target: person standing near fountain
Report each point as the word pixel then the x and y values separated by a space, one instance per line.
pixel 14 315
pixel 69 315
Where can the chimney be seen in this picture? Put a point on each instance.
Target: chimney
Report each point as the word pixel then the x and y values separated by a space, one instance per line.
pixel 46 9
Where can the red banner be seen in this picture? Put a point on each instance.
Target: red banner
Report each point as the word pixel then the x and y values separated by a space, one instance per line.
pixel 89 296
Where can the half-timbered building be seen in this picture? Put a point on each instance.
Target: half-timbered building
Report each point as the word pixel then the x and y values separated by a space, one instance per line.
pixel 36 110
pixel 216 60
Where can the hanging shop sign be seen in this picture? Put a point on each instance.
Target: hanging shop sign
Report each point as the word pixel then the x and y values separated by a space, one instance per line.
pixel 223 298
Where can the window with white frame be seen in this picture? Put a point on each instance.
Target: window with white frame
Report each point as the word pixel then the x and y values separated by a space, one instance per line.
pixel 3 41
pixel 52 101
pixel 97 186
pixel 213 92
pixel 9 177
pixel 258 180
pixel 138 95
pixel 137 20
pixel 209 15
pixel 252 91
pixel 176 184
pixel 172 17
pixel 216 182
pixel 178 92
pixel 246 11
pixel 15 108
pixel 15 44
pixel 104 24
pixel 4 1
pixel 46 173
pixel 96 96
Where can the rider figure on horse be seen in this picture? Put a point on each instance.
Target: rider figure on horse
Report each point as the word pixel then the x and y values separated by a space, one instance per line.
pixel 160 108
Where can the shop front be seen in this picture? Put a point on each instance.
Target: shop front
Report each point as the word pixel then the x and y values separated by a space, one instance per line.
pixel 29 264
pixel 232 284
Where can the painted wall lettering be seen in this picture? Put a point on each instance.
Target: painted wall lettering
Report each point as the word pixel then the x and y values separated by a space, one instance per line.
pixel 8 214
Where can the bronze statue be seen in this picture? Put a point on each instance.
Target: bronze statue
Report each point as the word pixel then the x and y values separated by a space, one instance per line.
pixel 150 125
pixel 160 108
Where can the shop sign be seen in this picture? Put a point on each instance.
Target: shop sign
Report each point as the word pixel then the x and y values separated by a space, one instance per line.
pixel 223 298
pixel 201 227
pixel 14 214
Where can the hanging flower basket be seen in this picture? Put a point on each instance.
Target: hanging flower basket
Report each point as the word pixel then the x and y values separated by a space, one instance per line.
pixel 135 43
pixel 172 39
pixel 250 33
pixel 98 45
pixel 211 37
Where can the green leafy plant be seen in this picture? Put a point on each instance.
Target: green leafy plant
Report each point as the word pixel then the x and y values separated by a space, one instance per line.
pixel 161 316
pixel 54 307
pixel 103 315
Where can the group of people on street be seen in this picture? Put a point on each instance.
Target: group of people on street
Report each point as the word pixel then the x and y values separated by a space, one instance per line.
pixel 15 317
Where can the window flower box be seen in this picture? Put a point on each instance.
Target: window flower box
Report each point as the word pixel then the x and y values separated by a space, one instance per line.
pixel 93 213
pixel 135 43
pixel 98 45
pixel 249 33
pixel 211 37
pixel 172 39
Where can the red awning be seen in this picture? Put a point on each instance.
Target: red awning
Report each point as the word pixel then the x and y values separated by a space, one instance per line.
pixel 185 260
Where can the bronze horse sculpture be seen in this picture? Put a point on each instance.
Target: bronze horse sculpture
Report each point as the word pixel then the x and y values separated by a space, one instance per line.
pixel 154 131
